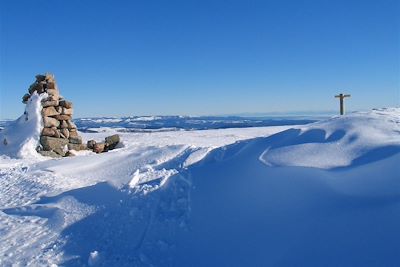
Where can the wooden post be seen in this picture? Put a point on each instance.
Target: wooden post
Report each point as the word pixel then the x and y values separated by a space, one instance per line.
pixel 341 98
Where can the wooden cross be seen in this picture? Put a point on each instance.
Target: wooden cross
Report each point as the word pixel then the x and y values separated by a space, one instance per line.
pixel 342 97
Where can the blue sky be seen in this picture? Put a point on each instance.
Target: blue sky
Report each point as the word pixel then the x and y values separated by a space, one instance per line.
pixel 202 57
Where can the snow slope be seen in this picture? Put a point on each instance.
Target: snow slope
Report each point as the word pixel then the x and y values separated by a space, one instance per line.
pixel 202 199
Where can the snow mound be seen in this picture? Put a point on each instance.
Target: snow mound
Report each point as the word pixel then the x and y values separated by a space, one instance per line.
pixel 344 141
pixel 21 137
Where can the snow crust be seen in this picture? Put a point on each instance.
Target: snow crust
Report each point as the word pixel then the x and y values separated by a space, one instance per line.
pixel 268 196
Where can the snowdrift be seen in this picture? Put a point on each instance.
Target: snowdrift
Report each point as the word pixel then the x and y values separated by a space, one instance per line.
pixel 21 137
pixel 352 140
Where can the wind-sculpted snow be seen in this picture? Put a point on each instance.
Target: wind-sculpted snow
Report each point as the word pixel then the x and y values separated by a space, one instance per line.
pixel 356 139
pixel 204 198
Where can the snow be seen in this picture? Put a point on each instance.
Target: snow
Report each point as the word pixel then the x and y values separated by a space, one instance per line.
pixel 21 137
pixel 344 141
pixel 321 194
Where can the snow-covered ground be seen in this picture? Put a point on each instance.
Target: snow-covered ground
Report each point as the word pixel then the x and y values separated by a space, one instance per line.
pixel 321 194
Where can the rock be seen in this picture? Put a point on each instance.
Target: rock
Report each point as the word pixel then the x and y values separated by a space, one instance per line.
pixel 63 125
pixel 67 111
pixel 59 109
pixel 53 92
pixel 49 77
pixel 49 111
pixel 25 98
pixel 99 148
pixel 51 103
pixel 49 132
pixel 63 117
pixel 58 133
pixel 51 85
pixel 66 104
pixel 57 145
pixel 38 87
pixel 90 144
pixel 71 153
pixel 50 122
pixel 75 140
pixel 73 133
pixel 71 125
pixel 112 141
pixel 65 132
pixel 77 147
pixel 40 77
pixel 50 154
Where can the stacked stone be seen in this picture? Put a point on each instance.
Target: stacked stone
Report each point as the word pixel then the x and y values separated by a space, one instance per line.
pixel 59 134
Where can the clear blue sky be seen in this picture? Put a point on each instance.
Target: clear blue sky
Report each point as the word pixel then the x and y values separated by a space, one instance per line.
pixel 202 57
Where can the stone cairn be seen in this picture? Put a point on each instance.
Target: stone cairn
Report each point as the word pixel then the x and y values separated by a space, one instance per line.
pixel 59 137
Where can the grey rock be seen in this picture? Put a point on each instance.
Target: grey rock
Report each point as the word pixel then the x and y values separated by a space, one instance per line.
pixel 50 154
pixel 54 144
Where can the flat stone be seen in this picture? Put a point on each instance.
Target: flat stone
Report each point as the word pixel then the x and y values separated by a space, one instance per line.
pixel 67 111
pixel 53 92
pixel 51 103
pixel 75 140
pixel 50 122
pixel 49 132
pixel 50 154
pixel 77 147
pixel 49 111
pixel 63 117
pixel 66 104
pixel 54 144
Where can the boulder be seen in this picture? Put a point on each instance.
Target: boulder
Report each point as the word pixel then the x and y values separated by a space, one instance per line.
pixel 53 92
pixel 71 125
pixel 67 111
pixel 63 125
pixel 49 111
pixel 63 117
pixel 49 77
pixel 40 77
pixel 75 140
pixel 73 133
pixel 90 144
pixel 77 147
pixel 51 85
pixel 65 132
pixel 66 104
pixel 50 122
pixel 112 141
pixel 98 148
pixel 49 132
pixel 57 145
pixel 49 103
pixel 50 154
